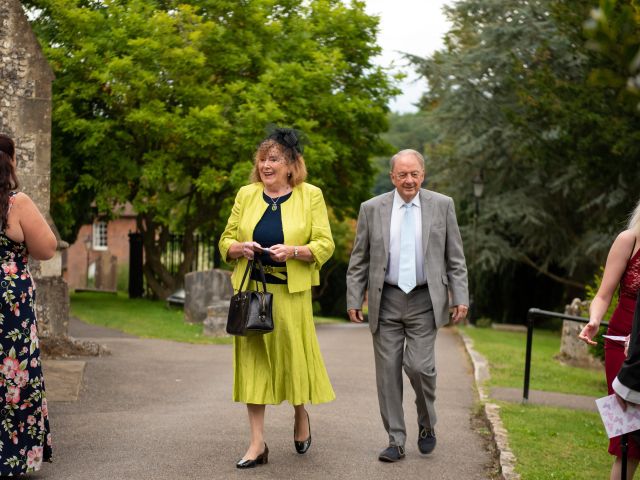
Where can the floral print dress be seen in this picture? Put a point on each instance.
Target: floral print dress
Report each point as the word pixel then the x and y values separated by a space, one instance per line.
pixel 25 440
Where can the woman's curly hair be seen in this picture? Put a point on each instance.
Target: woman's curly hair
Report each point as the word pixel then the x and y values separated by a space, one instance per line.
pixel 287 142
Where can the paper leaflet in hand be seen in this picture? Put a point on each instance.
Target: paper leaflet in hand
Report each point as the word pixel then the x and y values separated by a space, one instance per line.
pixel 616 421
pixel 616 338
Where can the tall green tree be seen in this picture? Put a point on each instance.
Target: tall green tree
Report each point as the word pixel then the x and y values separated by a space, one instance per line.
pixel 614 31
pixel 511 100
pixel 406 130
pixel 161 103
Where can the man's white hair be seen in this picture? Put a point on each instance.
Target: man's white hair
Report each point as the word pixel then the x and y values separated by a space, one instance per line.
pixel 408 151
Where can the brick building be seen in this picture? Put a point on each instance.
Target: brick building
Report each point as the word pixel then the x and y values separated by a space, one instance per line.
pixel 99 249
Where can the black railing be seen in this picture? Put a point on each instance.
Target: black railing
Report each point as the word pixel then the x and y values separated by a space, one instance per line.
pixel 205 253
pixel 205 257
pixel 532 314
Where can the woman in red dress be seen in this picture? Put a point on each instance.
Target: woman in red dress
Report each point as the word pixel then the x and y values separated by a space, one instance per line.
pixel 623 269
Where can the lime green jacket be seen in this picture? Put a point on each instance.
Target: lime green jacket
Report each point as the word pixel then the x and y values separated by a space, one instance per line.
pixel 304 223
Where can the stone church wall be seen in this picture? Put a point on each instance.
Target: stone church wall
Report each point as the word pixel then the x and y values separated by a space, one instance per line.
pixel 25 115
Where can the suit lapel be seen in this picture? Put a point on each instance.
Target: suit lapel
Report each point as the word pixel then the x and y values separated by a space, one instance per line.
pixel 426 207
pixel 386 205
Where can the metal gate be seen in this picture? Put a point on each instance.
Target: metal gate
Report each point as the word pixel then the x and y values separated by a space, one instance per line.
pixel 206 256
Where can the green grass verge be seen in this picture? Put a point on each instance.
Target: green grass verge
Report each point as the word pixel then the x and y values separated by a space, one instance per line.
pixel 144 318
pixel 505 352
pixel 549 443
pixel 556 443
pixel 324 320
pixel 140 317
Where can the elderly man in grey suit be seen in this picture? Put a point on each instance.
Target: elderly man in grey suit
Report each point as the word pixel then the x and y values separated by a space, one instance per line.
pixel 408 255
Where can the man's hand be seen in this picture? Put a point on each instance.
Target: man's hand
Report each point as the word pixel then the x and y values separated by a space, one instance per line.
pixel 623 403
pixel 626 345
pixel 355 316
pixel 458 313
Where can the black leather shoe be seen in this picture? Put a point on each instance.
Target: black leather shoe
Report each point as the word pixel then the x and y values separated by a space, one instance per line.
pixel 302 447
pixel 261 459
pixel 426 440
pixel 391 454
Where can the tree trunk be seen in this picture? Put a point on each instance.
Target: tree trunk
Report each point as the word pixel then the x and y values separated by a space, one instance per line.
pixel 154 242
pixel 155 238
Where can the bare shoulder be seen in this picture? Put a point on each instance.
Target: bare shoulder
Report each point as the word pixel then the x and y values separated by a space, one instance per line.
pixel 626 237
pixel 21 200
pixel 24 208
pixel 624 242
pixel 21 197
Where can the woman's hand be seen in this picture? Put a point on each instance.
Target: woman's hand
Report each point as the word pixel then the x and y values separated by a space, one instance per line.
pixel 249 249
pixel 589 331
pixel 280 253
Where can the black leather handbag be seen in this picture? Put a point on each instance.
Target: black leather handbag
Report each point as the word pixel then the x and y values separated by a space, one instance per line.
pixel 250 310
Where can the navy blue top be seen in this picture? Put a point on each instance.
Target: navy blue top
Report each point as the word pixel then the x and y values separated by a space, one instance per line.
pixel 268 232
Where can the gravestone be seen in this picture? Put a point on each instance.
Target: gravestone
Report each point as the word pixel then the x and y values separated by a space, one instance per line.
pixel 107 272
pixel 203 289
pixel 215 325
pixel 25 115
pixel 573 350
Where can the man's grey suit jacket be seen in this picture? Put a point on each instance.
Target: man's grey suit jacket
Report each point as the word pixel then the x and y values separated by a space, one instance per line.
pixel 442 245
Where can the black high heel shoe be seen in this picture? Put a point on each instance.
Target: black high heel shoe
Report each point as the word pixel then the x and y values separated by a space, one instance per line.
pixel 261 459
pixel 302 447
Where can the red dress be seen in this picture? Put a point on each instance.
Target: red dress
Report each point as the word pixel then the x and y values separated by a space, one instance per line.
pixel 620 324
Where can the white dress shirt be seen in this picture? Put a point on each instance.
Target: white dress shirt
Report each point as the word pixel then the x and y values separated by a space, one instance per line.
pixel 625 392
pixel 397 215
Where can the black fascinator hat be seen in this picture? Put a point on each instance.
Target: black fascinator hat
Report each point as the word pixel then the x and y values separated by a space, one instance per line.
pixel 290 138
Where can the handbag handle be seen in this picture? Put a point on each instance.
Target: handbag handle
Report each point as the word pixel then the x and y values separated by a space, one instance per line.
pixel 250 266
pixel 261 271
pixel 263 300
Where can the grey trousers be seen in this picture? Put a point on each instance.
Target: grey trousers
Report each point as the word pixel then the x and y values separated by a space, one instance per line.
pixel 406 338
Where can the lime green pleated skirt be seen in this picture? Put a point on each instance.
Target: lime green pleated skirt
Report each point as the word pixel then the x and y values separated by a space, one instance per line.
pixel 285 364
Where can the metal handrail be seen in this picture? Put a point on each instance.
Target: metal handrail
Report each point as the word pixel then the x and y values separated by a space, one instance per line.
pixel 532 314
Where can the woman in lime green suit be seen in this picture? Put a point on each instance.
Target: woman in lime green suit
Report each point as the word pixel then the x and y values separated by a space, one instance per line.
pixel 284 222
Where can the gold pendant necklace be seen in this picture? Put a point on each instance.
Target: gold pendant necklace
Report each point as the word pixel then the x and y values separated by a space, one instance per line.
pixel 274 207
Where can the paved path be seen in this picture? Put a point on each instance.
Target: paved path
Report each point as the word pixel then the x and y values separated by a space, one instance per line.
pixel 162 410
pixel 549 399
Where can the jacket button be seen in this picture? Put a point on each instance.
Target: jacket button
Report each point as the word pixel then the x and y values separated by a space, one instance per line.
pixel 379 289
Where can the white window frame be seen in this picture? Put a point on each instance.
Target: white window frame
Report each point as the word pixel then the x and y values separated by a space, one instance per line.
pixel 99 236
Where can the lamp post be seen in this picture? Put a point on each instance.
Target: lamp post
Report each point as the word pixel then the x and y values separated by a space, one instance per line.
pixel 87 245
pixel 478 190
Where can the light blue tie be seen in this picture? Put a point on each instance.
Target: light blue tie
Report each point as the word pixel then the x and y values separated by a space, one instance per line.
pixel 407 271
